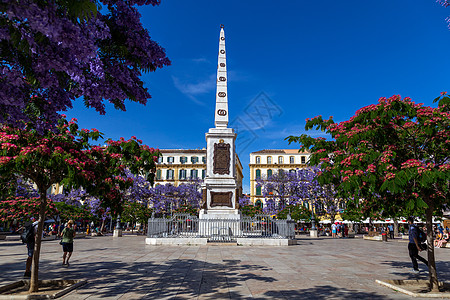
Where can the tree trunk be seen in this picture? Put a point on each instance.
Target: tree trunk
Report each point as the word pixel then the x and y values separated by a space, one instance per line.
pixel 34 283
pixel 395 227
pixel 102 226
pixel 434 283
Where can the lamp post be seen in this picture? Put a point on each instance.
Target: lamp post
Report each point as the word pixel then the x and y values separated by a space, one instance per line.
pixel 313 231
pixel 118 226
pixel 118 229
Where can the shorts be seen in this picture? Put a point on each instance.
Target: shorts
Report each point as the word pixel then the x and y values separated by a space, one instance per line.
pixel 334 231
pixel 30 247
pixel 67 247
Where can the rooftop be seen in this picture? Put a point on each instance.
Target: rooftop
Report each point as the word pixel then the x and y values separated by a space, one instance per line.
pixel 280 151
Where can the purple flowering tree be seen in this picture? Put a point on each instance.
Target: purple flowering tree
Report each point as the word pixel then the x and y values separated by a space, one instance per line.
pixel 168 198
pixel 296 187
pixel 54 52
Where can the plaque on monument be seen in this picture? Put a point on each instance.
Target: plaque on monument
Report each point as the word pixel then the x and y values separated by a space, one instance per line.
pixel 221 199
pixel 221 158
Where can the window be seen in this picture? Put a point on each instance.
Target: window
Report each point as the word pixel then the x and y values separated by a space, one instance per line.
pixel 258 191
pixel 160 160
pixel 258 174
pixel 280 159
pixel 169 175
pixel 258 203
pixel 269 173
pixel 303 160
pixel 170 159
pixel 291 171
pixel 203 174
pixel 194 159
pixel 306 204
pixel 182 174
pixel 204 159
pixel 291 159
pixel 158 174
pixel 269 159
pixel 258 159
pixel 194 174
pixel 183 159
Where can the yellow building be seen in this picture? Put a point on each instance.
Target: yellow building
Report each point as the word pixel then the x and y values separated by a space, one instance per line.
pixel 265 163
pixel 180 165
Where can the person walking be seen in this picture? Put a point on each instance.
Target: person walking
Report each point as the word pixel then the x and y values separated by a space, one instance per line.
pixel 67 235
pixel 333 230
pixel 30 246
pixel 413 245
pixel 391 231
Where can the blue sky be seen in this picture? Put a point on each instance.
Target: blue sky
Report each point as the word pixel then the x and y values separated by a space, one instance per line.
pixel 286 62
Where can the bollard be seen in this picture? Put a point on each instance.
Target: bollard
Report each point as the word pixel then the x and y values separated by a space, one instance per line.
pixel 384 237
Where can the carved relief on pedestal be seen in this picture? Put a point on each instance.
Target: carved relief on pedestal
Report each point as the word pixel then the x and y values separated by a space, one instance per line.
pixel 221 199
pixel 222 158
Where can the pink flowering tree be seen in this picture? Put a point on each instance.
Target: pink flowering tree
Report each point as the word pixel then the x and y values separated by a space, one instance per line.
pixel 390 157
pixel 45 160
pixel 65 156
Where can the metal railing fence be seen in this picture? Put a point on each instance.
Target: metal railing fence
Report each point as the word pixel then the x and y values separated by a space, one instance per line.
pixel 220 230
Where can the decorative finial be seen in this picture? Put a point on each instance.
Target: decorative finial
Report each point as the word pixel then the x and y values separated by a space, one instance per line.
pixel 221 26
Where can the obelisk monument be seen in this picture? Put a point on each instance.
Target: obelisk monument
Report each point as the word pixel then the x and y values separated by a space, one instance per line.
pixel 219 187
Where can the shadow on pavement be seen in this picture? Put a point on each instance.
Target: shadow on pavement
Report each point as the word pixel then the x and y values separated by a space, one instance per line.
pixel 188 277
pixel 324 292
pixel 405 270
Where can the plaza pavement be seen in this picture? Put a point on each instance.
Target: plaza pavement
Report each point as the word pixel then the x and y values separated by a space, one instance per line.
pixel 126 268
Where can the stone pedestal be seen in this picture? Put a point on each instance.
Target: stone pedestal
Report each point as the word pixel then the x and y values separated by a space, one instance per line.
pixel 117 233
pixel 313 233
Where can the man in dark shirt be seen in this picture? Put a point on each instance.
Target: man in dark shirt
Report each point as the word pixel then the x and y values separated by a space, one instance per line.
pixel 413 246
pixel 30 246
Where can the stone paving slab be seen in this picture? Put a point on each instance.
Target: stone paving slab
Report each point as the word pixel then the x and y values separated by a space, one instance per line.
pixel 127 268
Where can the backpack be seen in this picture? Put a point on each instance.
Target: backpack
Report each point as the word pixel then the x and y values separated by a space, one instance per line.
pixel 421 236
pixel 27 235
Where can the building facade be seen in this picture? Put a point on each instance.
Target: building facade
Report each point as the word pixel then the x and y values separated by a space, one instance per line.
pixel 181 165
pixel 265 163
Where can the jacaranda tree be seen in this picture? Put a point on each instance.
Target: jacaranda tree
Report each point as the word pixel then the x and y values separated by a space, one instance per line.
pixel 53 52
pixel 295 187
pixel 391 157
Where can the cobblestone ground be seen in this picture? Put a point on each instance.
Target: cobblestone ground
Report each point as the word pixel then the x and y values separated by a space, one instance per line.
pixel 126 268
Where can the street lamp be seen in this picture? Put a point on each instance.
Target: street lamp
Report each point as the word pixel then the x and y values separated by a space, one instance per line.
pixel 118 229
pixel 118 226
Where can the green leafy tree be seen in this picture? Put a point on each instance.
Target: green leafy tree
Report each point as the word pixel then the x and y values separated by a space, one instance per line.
pixel 72 212
pixel 251 210
pixel 297 212
pixel 390 158
pixel 135 212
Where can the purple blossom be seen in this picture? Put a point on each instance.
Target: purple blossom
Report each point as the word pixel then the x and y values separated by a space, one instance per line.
pixel 58 55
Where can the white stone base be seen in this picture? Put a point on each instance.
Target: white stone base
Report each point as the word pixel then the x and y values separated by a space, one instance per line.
pixel 224 213
pixel 372 238
pixel 176 241
pixel 265 242
pixel 313 233
pixel 204 242
pixel 117 233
